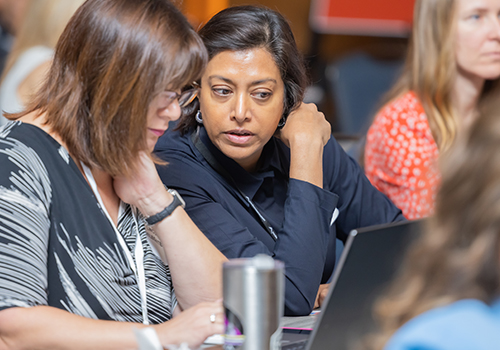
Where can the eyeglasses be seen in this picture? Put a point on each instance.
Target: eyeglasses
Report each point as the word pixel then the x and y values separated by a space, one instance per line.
pixel 184 98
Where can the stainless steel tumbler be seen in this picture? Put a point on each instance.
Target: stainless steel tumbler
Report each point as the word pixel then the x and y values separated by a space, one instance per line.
pixel 254 300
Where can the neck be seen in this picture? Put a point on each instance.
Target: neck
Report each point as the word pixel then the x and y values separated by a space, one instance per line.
pixel 466 94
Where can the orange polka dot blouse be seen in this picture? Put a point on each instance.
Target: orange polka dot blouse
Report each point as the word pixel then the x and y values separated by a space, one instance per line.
pixel 401 156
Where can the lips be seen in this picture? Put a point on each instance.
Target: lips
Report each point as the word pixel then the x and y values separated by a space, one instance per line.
pixel 157 132
pixel 239 136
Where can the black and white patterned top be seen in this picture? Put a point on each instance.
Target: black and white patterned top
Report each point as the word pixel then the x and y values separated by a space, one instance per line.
pixel 58 248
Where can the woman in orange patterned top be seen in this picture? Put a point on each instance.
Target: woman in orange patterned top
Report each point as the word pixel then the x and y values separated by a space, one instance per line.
pixel 453 63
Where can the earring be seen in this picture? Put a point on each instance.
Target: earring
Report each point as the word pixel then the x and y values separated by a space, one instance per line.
pixel 198 117
pixel 282 122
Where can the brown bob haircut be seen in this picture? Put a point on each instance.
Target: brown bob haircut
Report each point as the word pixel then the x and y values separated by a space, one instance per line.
pixel 112 59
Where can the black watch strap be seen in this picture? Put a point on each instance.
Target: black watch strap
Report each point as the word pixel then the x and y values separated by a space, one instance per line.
pixel 178 201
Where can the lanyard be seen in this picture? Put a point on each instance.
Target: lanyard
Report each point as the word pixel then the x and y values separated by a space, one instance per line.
pixel 138 265
pixel 220 169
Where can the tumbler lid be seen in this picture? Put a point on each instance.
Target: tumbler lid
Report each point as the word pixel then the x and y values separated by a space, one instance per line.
pixel 260 262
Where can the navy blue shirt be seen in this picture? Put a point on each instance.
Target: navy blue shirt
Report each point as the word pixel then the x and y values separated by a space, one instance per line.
pixel 306 218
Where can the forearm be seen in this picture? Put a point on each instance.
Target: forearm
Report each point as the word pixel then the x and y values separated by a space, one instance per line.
pixel 305 240
pixel 195 263
pixel 306 161
pixel 45 327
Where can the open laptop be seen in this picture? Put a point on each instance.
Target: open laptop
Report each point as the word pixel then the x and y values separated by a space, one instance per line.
pixel 369 261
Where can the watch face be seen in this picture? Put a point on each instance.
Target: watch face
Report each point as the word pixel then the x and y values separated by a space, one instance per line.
pixel 178 196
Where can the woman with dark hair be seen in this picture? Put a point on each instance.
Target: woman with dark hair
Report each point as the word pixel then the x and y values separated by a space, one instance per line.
pixel 92 245
pixel 258 168
pixel 448 293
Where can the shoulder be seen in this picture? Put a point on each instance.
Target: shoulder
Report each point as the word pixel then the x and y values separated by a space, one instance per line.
pixel 172 142
pixel 465 324
pixel 29 149
pixel 25 165
pixel 404 110
pixel 403 119
pixel 185 168
pixel 35 55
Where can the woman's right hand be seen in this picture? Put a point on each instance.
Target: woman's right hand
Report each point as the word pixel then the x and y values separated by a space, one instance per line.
pixel 304 125
pixel 193 325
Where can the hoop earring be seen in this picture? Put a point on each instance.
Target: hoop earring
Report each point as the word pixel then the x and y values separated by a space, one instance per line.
pixel 198 117
pixel 282 122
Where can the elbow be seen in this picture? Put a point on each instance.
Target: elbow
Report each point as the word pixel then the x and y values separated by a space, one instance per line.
pixel 295 308
pixel 9 329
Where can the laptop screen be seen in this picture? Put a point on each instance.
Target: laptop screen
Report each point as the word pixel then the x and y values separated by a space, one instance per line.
pixel 370 260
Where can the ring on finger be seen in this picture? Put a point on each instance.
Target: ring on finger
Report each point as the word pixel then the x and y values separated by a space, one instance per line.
pixel 212 318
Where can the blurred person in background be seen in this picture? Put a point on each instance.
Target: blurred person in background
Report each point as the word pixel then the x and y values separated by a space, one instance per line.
pixel 11 14
pixel 453 63
pixel 31 53
pixel 447 296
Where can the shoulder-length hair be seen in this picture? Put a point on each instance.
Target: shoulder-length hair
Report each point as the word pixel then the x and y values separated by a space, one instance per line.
pixel 431 69
pixel 112 59
pixel 43 23
pixel 458 256
pixel 242 28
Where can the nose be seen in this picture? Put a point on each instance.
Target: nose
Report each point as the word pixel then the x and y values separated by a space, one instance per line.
pixel 241 110
pixel 172 112
pixel 495 29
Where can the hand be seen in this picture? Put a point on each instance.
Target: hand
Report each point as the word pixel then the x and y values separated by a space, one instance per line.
pixel 143 189
pixel 322 293
pixel 304 125
pixel 193 325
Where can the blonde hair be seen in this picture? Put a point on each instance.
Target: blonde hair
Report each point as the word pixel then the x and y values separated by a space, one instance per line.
pixel 430 69
pixel 43 23
pixel 458 256
pixel 112 59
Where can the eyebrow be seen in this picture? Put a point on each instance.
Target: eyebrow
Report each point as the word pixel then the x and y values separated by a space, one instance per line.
pixel 229 81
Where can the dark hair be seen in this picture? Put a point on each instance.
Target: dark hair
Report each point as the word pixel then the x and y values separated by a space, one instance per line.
pixel 243 28
pixel 112 59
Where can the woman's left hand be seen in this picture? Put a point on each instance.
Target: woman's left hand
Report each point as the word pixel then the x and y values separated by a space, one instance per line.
pixel 306 132
pixel 322 293
pixel 304 125
pixel 144 188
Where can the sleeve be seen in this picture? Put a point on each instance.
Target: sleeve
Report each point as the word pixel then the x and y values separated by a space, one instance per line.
pixel 360 203
pixel 401 157
pixel 303 240
pixel 24 226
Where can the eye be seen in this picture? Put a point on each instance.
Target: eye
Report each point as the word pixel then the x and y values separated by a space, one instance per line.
pixel 262 95
pixel 221 91
pixel 474 17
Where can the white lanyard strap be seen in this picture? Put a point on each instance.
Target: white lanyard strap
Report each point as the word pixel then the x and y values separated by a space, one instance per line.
pixel 138 265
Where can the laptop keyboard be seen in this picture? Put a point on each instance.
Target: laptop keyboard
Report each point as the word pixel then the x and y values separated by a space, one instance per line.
pixel 295 346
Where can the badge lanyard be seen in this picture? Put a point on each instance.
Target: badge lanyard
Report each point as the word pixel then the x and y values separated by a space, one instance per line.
pixel 222 171
pixel 138 265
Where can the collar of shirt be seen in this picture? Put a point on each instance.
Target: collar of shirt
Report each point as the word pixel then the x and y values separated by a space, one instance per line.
pixel 249 183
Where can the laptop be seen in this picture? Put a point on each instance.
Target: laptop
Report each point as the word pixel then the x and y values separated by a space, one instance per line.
pixel 369 261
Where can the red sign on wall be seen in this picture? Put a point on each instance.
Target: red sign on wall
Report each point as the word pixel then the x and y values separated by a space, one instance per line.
pixel 362 17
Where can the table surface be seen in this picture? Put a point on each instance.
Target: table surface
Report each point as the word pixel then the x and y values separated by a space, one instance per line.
pixel 289 322
pixel 299 321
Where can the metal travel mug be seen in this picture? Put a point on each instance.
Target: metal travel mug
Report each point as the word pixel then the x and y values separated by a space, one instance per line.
pixel 253 300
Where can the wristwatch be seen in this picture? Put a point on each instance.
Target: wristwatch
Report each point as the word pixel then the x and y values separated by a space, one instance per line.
pixel 178 201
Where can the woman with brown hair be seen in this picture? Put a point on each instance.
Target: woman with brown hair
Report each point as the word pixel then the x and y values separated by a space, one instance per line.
pixel 453 63
pixel 447 296
pixel 91 243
